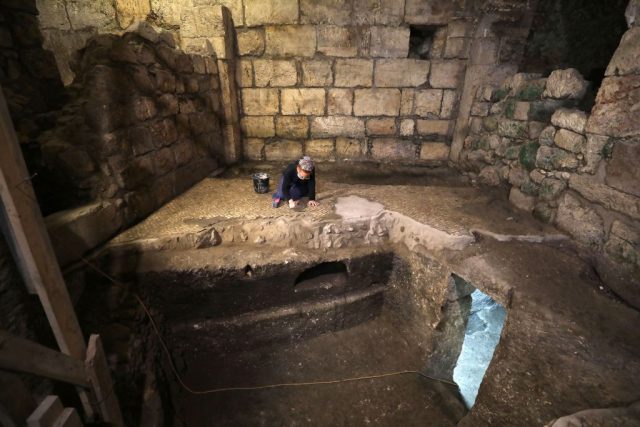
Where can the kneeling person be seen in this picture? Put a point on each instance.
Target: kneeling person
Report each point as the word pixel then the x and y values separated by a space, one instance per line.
pixel 298 180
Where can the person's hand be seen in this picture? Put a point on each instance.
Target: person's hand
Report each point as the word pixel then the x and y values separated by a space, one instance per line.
pixel 313 203
pixel 293 203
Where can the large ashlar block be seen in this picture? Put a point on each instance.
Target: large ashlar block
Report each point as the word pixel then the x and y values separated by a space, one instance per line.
pixel 317 73
pixel 432 12
pixel 324 127
pixel 202 21
pixel 253 148
pixel 428 103
pixel 337 41
pixel 459 28
pixel 457 47
pixel 251 42
pixel 336 12
pixel 446 74
pixel 283 150
pixel 292 126
pixel 377 102
pixel 389 42
pixel 406 104
pixel 401 72
pixel 259 102
pixel 449 100
pixel 433 127
pixel 173 11
pixel 349 148
pixel 353 72
pixel 434 151
pixel 378 12
pixel 291 41
pixel 384 126
pixel 407 127
pixel 275 73
pixel 244 73
pixel 340 102
pixel 392 149
pixel 320 149
pixel 264 12
pixel 303 101
pixel 128 11
pixel 258 126
pixel 89 14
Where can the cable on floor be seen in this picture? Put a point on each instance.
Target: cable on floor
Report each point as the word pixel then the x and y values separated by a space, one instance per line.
pixel 189 389
pixel 226 389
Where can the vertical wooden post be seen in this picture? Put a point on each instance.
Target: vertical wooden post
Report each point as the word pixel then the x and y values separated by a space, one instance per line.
pixel 34 253
pixel 31 242
pixel 100 379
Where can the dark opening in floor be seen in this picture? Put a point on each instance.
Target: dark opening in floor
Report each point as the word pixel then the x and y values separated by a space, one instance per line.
pixel 481 338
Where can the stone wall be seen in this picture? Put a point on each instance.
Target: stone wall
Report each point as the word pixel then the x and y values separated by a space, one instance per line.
pixel 331 79
pixel 378 79
pixel 581 34
pixel 338 80
pixel 574 169
pixel 30 81
pixel 142 125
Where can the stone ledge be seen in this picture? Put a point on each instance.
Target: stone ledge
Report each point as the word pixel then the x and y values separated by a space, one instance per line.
pixel 596 192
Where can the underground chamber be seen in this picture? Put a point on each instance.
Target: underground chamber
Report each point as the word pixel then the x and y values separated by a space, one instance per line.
pixel 366 337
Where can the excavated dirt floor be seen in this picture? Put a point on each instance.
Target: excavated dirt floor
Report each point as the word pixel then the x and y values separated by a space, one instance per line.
pixel 568 344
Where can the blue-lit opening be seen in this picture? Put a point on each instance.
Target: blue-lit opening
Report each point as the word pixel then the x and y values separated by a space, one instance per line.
pixel 480 340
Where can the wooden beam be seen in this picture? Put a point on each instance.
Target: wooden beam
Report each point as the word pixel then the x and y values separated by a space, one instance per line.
pixel 31 242
pixel 19 354
pixel 100 379
pixel 46 413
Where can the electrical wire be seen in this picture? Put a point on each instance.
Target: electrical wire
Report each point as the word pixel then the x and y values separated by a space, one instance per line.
pixel 189 389
pixel 228 389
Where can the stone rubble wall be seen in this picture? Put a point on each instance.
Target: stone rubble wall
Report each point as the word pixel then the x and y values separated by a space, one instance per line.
pixel 30 81
pixel 142 125
pixel 576 170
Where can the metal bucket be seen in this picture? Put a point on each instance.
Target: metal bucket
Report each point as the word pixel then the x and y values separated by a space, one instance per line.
pixel 261 182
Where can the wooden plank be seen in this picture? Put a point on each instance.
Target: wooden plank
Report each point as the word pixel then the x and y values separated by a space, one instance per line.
pixel 68 418
pixel 100 379
pixel 46 413
pixel 19 354
pixel 30 240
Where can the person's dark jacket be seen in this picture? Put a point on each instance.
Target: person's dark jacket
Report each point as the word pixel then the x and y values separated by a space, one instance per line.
pixel 290 177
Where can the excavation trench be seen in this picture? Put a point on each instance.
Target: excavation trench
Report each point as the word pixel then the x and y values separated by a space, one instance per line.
pixel 314 318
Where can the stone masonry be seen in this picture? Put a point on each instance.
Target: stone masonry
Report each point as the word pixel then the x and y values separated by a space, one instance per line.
pixel 311 65
pixel 323 79
pixel 568 167
pixel 142 124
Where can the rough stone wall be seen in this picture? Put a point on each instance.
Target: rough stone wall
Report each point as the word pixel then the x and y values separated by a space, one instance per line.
pixel 576 170
pixel 67 25
pixel 28 74
pixel 337 80
pixel 581 34
pixel 141 126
